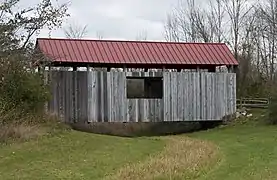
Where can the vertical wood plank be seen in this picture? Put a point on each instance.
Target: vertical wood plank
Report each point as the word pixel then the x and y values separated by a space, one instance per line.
pixel 145 110
pixel 70 97
pixel 109 96
pixel 190 97
pixel 186 96
pixel 165 96
pixel 89 106
pixel 105 97
pixel 222 102
pixel 180 97
pixel 94 98
pixel 234 93
pixel 211 95
pixel 124 97
pixel 101 96
pixel 174 98
pixel 224 96
pixel 216 106
pixel 197 87
pixel 167 91
pixel 132 110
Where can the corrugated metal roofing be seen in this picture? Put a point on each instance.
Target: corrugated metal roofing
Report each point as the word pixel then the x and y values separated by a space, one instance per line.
pixel 135 52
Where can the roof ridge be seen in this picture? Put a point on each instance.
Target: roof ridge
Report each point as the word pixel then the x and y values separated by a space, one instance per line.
pixel 130 41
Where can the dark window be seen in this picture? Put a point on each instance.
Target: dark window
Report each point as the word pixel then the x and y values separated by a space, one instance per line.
pixel 144 87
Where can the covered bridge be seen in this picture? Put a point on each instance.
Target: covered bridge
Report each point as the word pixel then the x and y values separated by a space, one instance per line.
pixel 140 81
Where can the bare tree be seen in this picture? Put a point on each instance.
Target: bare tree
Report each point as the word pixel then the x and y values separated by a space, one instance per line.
pixel 203 24
pixel 248 73
pixel 180 24
pixel 99 35
pixel 248 27
pixel 216 15
pixel 142 35
pixel 268 15
pixel 75 30
pixel 190 23
pixel 172 32
pixel 237 10
pixel 233 21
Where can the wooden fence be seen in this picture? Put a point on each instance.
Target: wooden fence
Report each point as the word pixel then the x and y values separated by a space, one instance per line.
pixel 253 102
pixel 100 96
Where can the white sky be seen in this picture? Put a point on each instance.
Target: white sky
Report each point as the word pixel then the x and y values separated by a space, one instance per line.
pixel 117 19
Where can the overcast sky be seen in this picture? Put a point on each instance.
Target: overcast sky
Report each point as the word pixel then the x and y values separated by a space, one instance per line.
pixel 118 19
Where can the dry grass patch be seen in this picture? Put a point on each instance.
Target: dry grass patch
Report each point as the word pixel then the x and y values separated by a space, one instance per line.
pixel 20 132
pixel 182 158
pixel 28 127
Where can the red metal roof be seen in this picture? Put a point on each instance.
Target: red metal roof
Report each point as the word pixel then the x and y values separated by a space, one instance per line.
pixel 135 52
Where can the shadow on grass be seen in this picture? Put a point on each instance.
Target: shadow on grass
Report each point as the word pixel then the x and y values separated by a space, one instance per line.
pixel 136 129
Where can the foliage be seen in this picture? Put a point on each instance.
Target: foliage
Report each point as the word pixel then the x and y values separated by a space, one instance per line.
pixel 22 90
pixel 17 27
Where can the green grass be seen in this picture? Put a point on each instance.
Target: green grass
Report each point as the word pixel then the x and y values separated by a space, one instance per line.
pixel 245 150
pixel 73 155
pixel 249 151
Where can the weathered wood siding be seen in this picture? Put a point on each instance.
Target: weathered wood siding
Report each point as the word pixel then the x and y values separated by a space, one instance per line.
pixel 100 96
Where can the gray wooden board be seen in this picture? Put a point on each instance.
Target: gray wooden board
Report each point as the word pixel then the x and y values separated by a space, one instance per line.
pixel 101 97
pixel 82 96
pixel 90 112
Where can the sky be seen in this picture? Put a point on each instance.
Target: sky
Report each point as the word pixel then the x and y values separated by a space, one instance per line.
pixel 117 19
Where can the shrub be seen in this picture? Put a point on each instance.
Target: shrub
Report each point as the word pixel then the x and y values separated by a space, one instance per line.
pixel 25 90
pixel 22 90
pixel 272 116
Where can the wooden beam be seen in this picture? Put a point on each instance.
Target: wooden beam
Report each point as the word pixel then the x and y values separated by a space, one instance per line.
pixel 124 69
pixel 212 69
pixel 235 69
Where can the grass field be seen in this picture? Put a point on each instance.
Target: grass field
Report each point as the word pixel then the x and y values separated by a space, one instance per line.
pixel 242 151
pixel 249 151
pixel 73 155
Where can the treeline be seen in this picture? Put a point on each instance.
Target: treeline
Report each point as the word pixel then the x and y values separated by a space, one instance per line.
pixel 248 27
